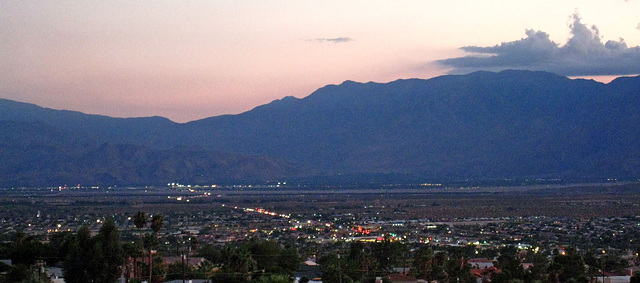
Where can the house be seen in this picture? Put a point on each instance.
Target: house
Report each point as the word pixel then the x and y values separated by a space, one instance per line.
pixel 614 279
pixel 309 269
pixel 484 275
pixel 192 261
pixel 190 281
pixel 480 263
pixel 55 273
pixel 401 278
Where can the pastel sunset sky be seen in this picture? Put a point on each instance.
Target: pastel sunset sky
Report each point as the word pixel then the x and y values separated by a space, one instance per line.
pixel 187 60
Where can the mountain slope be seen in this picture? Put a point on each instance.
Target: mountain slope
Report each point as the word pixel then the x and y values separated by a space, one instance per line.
pixel 37 154
pixel 512 124
pixel 101 128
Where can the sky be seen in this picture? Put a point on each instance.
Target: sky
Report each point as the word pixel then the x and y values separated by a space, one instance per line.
pixel 188 60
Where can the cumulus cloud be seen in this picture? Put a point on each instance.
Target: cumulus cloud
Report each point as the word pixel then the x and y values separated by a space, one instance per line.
pixel 584 54
pixel 333 40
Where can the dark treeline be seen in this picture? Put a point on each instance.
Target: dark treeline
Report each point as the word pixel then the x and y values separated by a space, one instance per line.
pixel 83 257
pixel 105 257
pixel 363 262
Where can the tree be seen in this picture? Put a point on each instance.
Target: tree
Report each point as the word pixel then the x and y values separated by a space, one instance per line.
pixel 538 270
pixel 59 247
pixel 422 261
pixel 26 274
pixel 361 262
pixel 510 264
pixel 107 244
pixel 554 272
pixel 193 244
pixel 26 249
pixel 175 271
pixel 204 270
pixel 130 251
pixel 614 263
pixel 139 220
pixel 236 265
pixel 210 253
pixel 458 269
pixel 387 253
pixel 273 278
pixel 94 259
pixel 594 264
pixel 289 259
pixel 265 254
pixel 333 269
pixel 150 243
pixel 437 266
pixel 571 266
pixel 157 221
pixel 78 266
pixel 242 262
pixel 226 275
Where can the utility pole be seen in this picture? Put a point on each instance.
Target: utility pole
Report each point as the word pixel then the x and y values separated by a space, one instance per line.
pixel 339 269
pixel 151 252
pixel 183 276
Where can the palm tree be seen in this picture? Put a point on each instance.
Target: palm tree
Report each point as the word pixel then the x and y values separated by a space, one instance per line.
pixel 139 220
pixel 130 251
pixel 554 271
pixel 157 222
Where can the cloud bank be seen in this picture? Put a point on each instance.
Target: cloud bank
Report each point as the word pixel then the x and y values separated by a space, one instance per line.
pixel 584 54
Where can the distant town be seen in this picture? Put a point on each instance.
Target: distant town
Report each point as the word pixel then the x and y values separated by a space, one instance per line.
pixel 385 233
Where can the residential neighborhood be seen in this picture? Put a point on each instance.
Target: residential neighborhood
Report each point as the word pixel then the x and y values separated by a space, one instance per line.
pixel 198 235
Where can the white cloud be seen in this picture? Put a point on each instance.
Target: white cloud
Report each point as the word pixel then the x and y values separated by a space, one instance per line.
pixel 584 54
pixel 333 40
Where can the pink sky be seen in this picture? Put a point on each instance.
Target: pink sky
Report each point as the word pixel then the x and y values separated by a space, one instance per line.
pixel 187 60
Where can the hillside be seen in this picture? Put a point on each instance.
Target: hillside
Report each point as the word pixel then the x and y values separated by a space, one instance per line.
pixel 481 125
pixel 512 124
pixel 37 154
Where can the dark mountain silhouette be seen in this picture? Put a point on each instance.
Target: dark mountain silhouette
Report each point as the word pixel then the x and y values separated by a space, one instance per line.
pixel 512 124
pixel 37 154
pixel 100 128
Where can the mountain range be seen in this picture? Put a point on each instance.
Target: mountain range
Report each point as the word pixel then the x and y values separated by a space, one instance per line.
pixel 483 125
